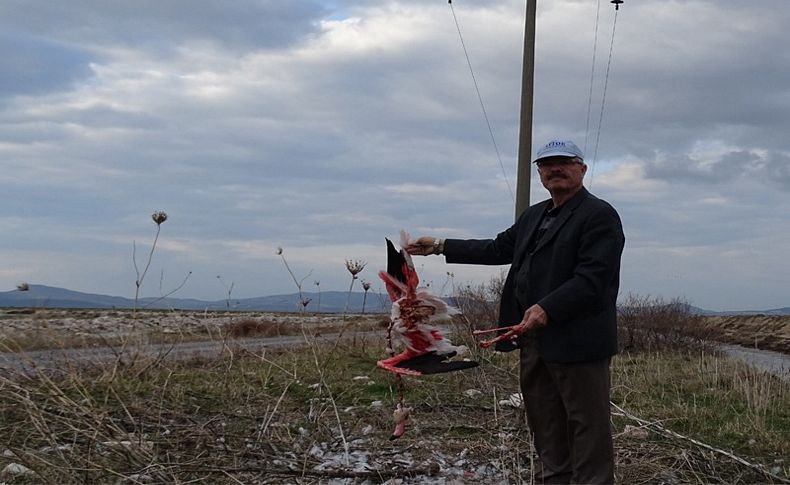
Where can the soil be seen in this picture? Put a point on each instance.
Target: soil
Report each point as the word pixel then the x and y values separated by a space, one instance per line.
pixel 765 332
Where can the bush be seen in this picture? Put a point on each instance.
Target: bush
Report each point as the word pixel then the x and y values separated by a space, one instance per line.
pixel 256 328
pixel 647 322
pixel 480 303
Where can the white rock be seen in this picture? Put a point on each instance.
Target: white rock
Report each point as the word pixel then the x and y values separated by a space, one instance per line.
pixel 47 449
pixel 514 400
pixel 316 451
pixel 376 404
pixel 472 393
pixel 139 477
pixel 636 432
pixel 15 470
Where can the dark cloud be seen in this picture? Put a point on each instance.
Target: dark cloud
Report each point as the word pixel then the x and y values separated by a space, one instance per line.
pixel 163 26
pixel 777 169
pixel 31 66
pixel 763 167
pixel 716 169
pixel 684 75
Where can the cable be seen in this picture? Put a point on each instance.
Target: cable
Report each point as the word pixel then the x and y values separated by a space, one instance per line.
pixel 603 98
pixel 482 105
pixel 592 75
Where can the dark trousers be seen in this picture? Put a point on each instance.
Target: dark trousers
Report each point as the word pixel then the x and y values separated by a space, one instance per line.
pixel 569 418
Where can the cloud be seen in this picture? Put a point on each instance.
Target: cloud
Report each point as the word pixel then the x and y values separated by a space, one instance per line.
pixel 158 26
pixel 324 127
pixel 31 65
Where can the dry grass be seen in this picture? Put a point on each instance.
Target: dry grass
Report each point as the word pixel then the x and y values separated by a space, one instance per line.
pixel 311 414
pixel 307 415
pixel 246 418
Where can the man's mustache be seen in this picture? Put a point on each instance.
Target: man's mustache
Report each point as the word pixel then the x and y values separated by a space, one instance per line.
pixel 558 175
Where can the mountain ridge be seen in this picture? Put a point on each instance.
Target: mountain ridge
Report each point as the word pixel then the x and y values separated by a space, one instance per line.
pixel 43 296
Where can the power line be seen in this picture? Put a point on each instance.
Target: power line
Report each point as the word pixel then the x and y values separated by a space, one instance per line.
pixel 603 97
pixel 592 74
pixel 482 105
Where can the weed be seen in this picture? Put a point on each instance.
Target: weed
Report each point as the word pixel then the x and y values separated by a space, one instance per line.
pixel 366 287
pixel 158 217
pixel 354 266
pixel 303 301
pixel 228 291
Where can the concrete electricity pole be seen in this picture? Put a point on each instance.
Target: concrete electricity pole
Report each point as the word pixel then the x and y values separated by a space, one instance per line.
pixel 525 127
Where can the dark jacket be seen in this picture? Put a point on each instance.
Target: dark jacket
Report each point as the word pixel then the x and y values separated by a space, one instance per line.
pixel 573 273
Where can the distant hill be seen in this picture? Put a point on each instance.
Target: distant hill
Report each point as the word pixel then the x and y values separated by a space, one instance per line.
pixel 774 311
pixel 41 296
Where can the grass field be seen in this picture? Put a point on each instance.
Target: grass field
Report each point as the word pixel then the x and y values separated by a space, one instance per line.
pixel 320 413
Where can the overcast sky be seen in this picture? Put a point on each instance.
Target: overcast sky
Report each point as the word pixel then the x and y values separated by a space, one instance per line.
pixel 324 126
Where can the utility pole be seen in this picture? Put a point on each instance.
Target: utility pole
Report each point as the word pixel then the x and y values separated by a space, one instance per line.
pixel 525 127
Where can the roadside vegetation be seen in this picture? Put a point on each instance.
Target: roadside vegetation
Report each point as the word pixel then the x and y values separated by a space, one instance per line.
pixel 42 329
pixel 316 412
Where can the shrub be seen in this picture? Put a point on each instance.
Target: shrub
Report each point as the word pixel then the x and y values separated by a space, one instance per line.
pixel 647 322
pixel 255 328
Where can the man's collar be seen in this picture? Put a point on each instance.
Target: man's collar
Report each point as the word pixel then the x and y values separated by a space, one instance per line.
pixel 574 200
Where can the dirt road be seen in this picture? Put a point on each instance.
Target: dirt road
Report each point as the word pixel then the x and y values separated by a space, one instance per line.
pixel 64 359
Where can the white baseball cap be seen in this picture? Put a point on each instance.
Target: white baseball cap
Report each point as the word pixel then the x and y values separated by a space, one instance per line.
pixel 559 148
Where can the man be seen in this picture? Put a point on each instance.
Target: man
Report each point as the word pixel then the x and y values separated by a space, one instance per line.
pixel 561 294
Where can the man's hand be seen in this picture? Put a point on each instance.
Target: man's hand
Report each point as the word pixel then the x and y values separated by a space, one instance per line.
pixel 422 246
pixel 534 317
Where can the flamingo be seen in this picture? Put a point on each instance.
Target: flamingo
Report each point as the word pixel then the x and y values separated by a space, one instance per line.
pixel 414 312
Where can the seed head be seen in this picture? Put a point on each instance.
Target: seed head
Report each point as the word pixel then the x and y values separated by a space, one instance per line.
pixel 279 250
pixel 355 266
pixel 159 217
pixel 366 285
pixel 23 287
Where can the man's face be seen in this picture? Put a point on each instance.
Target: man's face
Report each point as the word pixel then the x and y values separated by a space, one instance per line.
pixel 561 174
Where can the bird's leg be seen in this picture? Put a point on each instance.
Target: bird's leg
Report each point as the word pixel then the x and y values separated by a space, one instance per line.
pixel 400 416
pixel 391 363
pixel 491 330
pixel 513 331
